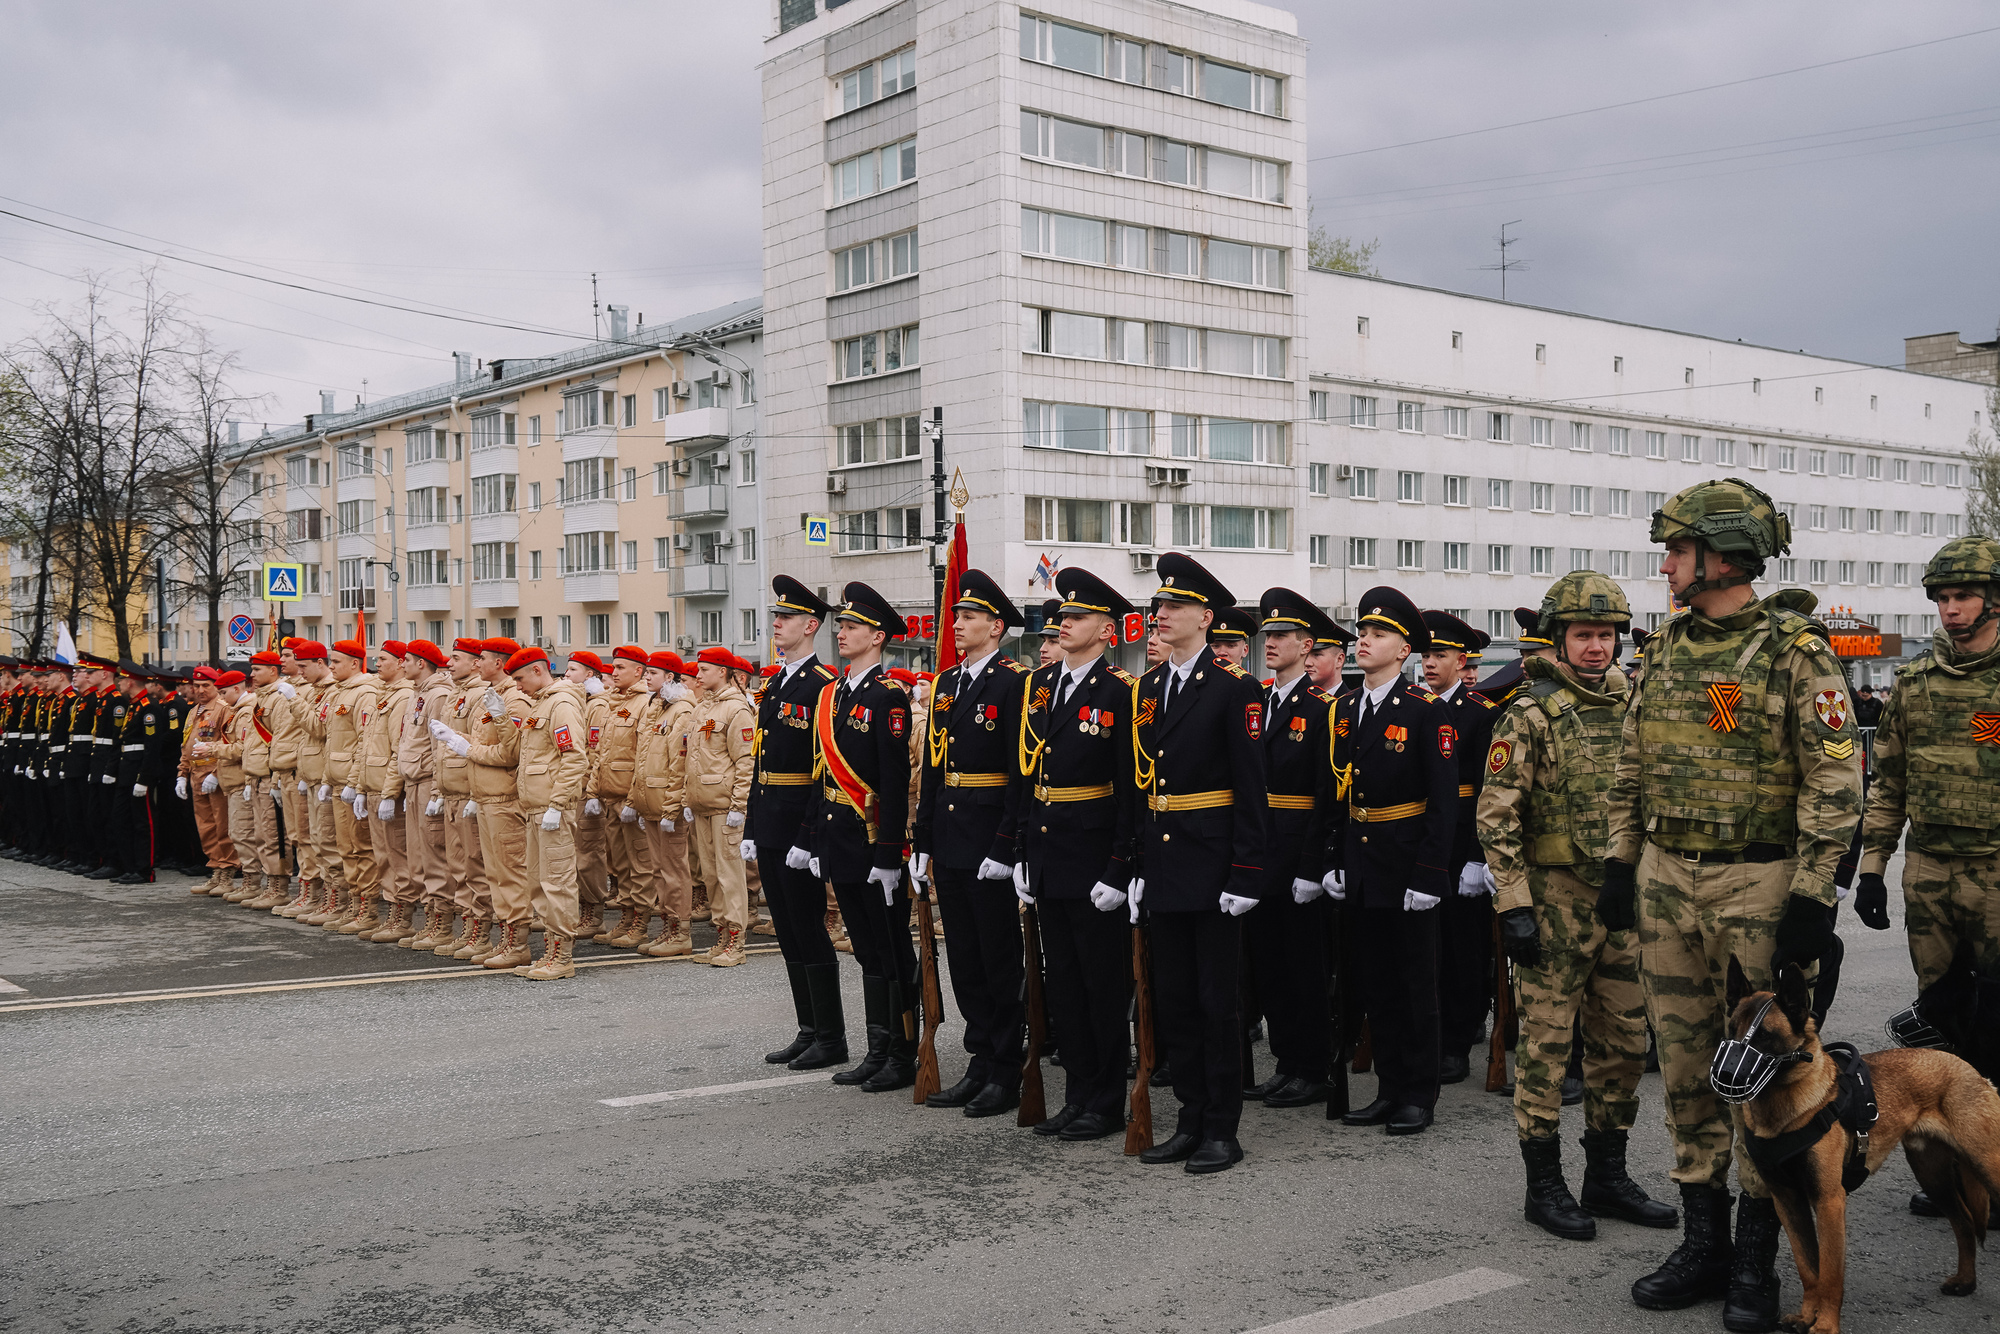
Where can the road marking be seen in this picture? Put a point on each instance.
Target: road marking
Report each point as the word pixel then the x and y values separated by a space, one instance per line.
pixel 322 984
pixel 5 985
pixel 746 1086
pixel 1386 1306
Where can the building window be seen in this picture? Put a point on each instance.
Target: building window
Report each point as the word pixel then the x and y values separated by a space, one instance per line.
pixel 1846 518
pixel 1500 427
pixel 534 564
pixel 663 627
pixel 1316 404
pixel 1457 491
pixel 1579 500
pixel 1725 452
pixel 1690 449
pixel 1316 478
pixel 1499 494
pixel 1758 454
pixel 1902 470
pixel 1816 462
pixel 492 494
pixel 1186 521
pixel 1135 524
pixel 1541 352
pixel 1541 431
pixel 1927 524
pixel 1410 488
pixel 1816 518
pixel 599 627
pixel 1361 410
pixel 1619 502
pixel 1457 340
pixel 492 560
pixel 1361 553
pixel 1059 140
pixel 879 261
pixel 1620 563
pixel 1456 421
pixel 708 626
pixel 1816 571
pixel 1410 417
pixel 1579 437
pixel 1618 441
pixel 562 630
pixel 1656 444
pixel 1927 474
pixel 746 546
pixel 1409 554
pixel 1845 571
pixel 1499 560
pixel 1542 497
pixel 1052 520
pixel 631 558
pixel 1579 559
pixel 1241 88
pixel 1318 549
pixel 883 78
pixel 1361 484
pixel 1251 529
pixel 875 353
pixel 1458 557
pixel 534 495
pixel 876 170
pixel 589 553
pixel 1951 474
pixel 1541 560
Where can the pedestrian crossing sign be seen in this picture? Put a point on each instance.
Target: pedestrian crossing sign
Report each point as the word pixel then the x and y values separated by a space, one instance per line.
pixel 281 583
pixel 815 531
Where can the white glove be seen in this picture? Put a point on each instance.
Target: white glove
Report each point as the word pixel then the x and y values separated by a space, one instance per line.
pixel 1134 893
pixel 496 707
pixel 439 730
pixel 1305 891
pixel 1021 883
pixel 1335 885
pixel 360 808
pixel 551 820
pixel 1415 902
pixel 797 858
pixel 666 826
pixel 138 789
pixel 387 809
pixel 347 794
pixel 324 789
pixel 1106 899
pixel 208 784
pixel 1474 880
pixel 888 879
pixel 593 686
pixel 593 807
pixel 747 850
pixel 456 744
pixel 304 787
pixel 180 784
pixel 110 778
pixel 687 813
pixel 436 807
pixel 626 815
pixel 920 867
pixel 813 866
pixel 249 792
pixel 734 820
pixel 471 809
pixel 1236 905
pixel 286 689
pixel 992 870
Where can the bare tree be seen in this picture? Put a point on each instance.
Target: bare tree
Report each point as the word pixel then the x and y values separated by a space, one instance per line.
pixel 1982 497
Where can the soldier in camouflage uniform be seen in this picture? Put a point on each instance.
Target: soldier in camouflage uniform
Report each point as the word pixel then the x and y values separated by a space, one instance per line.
pixel 1543 822
pixel 1737 793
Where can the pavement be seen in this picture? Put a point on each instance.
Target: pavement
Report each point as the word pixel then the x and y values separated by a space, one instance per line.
pixel 313 1143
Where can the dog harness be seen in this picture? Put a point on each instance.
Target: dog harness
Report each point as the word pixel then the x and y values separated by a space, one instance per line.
pixel 1853 1108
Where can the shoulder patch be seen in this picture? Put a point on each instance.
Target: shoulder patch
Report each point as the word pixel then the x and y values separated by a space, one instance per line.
pixel 1497 756
pixel 1235 671
pixel 1423 694
pixel 1015 667
pixel 825 672
pixel 1124 676
pixel 895 685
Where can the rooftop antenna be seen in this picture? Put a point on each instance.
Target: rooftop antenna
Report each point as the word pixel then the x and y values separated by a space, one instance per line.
pixel 594 331
pixel 364 389
pixel 1506 265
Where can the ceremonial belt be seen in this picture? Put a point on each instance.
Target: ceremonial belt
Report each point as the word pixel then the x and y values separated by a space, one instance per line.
pixel 769 779
pixel 1192 801
pixel 957 779
pixel 1278 801
pixel 1054 794
pixel 1465 789
pixel 128 749
pixel 1377 814
pixel 57 750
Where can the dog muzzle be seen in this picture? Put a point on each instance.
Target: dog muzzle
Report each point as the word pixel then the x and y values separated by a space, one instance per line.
pixel 1740 1071
pixel 1909 1028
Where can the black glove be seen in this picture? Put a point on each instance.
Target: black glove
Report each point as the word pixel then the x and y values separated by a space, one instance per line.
pixel 1805 933
pixel 1618 901
pixel 1520 937
pixel 1871 902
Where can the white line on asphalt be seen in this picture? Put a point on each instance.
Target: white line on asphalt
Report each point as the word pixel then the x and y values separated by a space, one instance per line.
pixel 746 1086
pixel 1386 1306
pixel 7 986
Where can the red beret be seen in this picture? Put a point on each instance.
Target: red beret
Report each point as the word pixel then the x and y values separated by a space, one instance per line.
pixel 351 647
pixel 429 652
pixel 506 648
pixel 716 655
pixel 201 673
pixel 903 674
pixel 666 661
pixel 267 658
pixel 773 669
pixel 308 650
pixel 522 657
pixel 630 653
pixel 588 659
pixel 395 648
pixel 230 679
pixel 473 646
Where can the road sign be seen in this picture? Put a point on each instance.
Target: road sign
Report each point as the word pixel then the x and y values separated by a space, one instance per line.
pixel 242 629
pixel 282 582
pixel 815 531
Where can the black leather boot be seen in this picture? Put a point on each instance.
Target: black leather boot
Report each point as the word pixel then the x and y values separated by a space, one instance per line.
pixel 1698 1270
pixel 1609 1193
pixel 1752 1304
pixel 875 1005
pixel 1550 1205
pixel 801 1004
pixel 899 1071
pixel 829 1022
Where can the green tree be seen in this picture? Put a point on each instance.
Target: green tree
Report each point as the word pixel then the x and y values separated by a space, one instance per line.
pixel 1339 253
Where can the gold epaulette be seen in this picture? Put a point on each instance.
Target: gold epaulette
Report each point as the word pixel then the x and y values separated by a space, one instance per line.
pixel 1319 694
pixel 1232 669
pixel 1015 667
pixel 825 672
pixel 1122 675
pixel 1423 694
pixel 893 683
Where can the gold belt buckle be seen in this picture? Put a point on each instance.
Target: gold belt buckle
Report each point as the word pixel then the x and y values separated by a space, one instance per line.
pixel 1042 793
pixel 1156 802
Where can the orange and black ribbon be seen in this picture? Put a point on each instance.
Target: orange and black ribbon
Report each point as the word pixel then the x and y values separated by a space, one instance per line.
pixel 1986 728
pixel 1725 696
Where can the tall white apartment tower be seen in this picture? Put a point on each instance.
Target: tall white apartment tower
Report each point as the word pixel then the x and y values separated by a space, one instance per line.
pixel 1075 229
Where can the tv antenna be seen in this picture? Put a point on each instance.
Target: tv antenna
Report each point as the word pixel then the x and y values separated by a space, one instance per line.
pixel 1506 265
pixel 595 331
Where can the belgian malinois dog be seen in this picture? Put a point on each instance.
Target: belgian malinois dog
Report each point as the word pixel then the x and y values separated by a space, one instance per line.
pixel 1936 1106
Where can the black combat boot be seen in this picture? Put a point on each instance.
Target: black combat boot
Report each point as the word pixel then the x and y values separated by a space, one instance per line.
pixel 1752 1304
pixel 1699 1267
pixel 1609 1193
pixel 1550 1205
pixel 875 1006
pixel 829 1044
pixel 899 1071
pixel 802 1004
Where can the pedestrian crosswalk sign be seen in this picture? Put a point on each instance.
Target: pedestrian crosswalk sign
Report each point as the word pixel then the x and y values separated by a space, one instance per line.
pixel 815 531
pixel 281 583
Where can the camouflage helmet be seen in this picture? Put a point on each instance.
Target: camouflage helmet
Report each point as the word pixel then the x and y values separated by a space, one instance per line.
pixel 1963 561
pixel 1730 516
pixel 1584 595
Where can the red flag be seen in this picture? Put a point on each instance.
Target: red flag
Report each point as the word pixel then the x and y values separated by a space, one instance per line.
pixel 947 647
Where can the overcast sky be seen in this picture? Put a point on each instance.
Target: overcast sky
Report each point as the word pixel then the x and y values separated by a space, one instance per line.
pixel 490 156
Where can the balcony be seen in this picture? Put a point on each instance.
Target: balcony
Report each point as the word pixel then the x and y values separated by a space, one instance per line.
pixel 355 488
pixel 431 472
pixel 495 593
pixel 697 429
pixel 700 581
pixel 427 537
pixel 589 516
pixel 596 442
pixel 591 586
pixel 698 502
pixel 492 528
pixel 432 597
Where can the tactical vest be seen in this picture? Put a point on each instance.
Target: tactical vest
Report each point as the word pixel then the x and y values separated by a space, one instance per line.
pixel 1952 744
pixel 1712 775
pixel 1568 823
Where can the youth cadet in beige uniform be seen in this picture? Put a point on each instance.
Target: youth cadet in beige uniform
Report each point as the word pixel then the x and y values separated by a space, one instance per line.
pixel 278 732
pixel 346 708
pixel 206 727
pixel 381 792
pixel 719 758
pixel 614 717
pixel 293 791
pixel 498 706
pixel 658 795
pixel 238 790
pixel 423 808
pixel 585 671
pixel 329 883
pixel 465 866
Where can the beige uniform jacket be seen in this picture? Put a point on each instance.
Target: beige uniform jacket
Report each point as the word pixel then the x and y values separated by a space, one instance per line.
pixel 384 777
pixel 281 720
pixel 615 743
pixel 346 710
pixel 312 732
pixel 548 750
pixel 210 723
pixel 416 748
pixel 720 753
pixel 458 711
pixel 660 764
pixel 495 745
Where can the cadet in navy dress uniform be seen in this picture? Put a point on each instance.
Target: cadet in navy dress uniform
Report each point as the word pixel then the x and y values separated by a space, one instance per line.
pixel 1198 761
pixel 964 841
pixel 1229 636
pixel 1287 935
pixel 781 795
pixel 1465 920
pixel 860 810
pixel 140 744
pixel 1071 783
pixel 1393 821
pixel 1051 630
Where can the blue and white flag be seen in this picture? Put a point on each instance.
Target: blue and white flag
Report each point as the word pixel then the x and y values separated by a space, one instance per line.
pixel 65 646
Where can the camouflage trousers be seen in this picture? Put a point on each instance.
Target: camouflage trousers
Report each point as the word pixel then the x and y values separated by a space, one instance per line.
pixel 1692 919
pixel 1588 968
pixel 1948 900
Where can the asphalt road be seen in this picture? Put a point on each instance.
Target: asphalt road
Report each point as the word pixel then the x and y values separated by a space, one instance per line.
pixel 434 1155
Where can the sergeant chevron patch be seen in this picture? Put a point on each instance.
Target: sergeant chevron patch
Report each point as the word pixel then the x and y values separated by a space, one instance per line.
pixel 1839 750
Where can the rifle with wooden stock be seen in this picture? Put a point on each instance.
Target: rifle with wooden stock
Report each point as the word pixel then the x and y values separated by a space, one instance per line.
pixel 1505 1022
pixel 928 1081
pixel 1139 1127
pixel 1034 1106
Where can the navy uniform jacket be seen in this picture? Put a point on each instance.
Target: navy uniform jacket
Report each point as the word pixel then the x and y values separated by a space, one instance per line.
pixel 141 742
pixel 871 729
pixel 80 741
pixel 52 755
pixel 1380 770
pixel 1473 714
pixel 1070 845
pixel 111 711
pixel 1210 742
pixel 781 783
pixel 965 815
pixel 1295 762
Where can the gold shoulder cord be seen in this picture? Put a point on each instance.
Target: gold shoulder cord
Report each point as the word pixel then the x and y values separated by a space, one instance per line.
pixel 1028 759
pixel 1144 767
pixel 1343 774
pixel 936 742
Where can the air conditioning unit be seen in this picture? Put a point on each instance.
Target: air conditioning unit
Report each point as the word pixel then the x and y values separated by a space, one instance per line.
pixel 683 542
pixel 722 379
pixel 1343 612
pixel 1343 472
pixel 721 460
pixel 682 390
pixel 725 538
pixel 1142 561
pixel 684 642
pixel 683 467
pixel 1161 474
pixel 836 485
